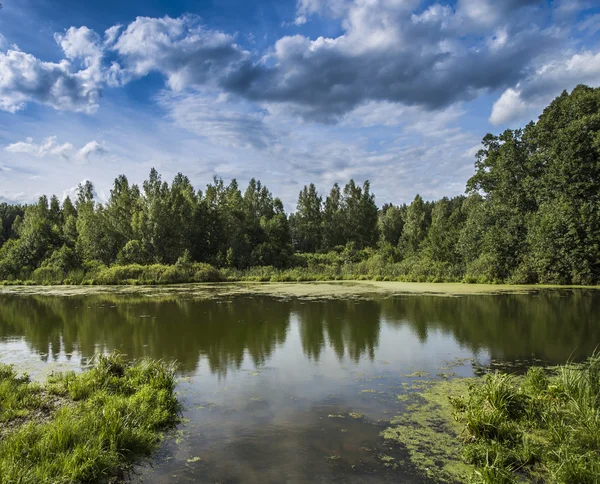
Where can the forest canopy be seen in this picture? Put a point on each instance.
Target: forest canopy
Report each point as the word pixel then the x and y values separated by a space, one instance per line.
pixel 531 214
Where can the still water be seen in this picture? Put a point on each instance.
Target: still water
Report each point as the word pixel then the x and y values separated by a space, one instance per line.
pixel 291 389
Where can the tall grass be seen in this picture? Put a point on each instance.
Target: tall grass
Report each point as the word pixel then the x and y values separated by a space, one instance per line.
pixel 544 427
pixel 88 427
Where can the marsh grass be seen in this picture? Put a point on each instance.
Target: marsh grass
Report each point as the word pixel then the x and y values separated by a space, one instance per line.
pixel 544 427
pixel 86 427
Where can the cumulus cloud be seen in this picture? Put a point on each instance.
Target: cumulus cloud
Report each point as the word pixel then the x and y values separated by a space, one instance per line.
pixel 402 52
pixel 25 78
pixel 81 43
pixel 50 147
pixel 529 96
pixel 111 34
pixel 181 49
pixel 390 53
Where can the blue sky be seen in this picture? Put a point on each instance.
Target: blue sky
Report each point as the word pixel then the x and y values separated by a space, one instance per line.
pixel 399 92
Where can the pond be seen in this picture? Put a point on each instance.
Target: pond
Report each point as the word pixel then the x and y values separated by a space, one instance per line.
pixel 296 389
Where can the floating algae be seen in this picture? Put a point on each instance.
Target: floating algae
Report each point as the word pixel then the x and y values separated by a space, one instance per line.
pixel 429 432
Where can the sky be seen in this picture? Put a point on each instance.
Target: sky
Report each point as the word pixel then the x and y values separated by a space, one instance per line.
pixel 397 92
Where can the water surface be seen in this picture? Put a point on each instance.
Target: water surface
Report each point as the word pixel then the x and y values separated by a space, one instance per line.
pixel 293 389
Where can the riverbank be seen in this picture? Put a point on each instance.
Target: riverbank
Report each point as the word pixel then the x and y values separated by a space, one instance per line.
pixel 337 289
pixel 541 427
pixel 84 427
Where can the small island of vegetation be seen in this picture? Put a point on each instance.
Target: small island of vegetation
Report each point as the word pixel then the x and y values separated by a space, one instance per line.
pixel 88 427
pixel 531 215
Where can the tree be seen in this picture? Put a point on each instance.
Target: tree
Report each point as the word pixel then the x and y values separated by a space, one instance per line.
pixel 308 220
pixel 415 227
pixel 359 215
pixel 441 243
pixel 92 244
pixel 333 220
pixel 390 223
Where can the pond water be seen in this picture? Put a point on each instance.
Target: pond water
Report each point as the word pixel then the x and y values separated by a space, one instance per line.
pixel 296 389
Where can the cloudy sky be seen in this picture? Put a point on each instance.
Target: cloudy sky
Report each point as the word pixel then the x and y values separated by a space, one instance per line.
pixel 399 92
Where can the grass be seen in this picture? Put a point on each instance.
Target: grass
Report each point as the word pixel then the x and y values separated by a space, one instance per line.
pixel 541 427
pixel 544 427
pixel 86 427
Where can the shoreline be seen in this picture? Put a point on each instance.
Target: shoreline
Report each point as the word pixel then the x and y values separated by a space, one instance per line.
pixel 320 289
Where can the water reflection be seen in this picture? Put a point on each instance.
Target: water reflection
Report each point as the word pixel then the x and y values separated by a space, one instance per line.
pixel 552 325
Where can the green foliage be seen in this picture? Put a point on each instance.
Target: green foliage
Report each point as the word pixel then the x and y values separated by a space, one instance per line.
pixel 543 426
pixel 532 215
pixel 83 428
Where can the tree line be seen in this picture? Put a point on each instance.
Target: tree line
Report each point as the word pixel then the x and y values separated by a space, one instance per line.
pixel 530 214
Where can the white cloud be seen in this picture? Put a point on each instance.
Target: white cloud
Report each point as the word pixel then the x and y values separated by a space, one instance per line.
pixel 529 96
pixel 25 78
pixel 81 43
pixel 508 107
pixel 15 197
pixel 111 34
pixel 181 49
pixel 90 149
pixel 49 147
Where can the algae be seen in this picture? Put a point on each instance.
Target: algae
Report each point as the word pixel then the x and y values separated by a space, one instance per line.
pixel 313 290
pixel 427 430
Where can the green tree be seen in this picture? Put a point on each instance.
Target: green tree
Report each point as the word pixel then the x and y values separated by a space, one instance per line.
pixel 307 221
pixel 359 215
pixel 333 220
pixel 415 227
pixel 390 223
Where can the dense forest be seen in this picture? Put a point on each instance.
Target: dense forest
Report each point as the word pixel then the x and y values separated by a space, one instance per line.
pixel 531 214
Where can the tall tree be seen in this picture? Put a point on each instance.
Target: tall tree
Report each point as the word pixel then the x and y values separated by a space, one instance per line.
pixel 308 219
pixel 415 227
pixel 391 223
pixel 333 219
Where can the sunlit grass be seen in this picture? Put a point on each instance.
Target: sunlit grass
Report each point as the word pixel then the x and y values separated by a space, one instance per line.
pixel 81 428
pixel 543 427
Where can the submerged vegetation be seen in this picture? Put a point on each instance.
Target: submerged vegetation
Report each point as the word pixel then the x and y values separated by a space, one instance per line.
pixel 531 215
pixel 541 427
pixel 86 427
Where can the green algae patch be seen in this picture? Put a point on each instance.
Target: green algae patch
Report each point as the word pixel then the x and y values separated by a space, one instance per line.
pixel 429 432
pixel 307 290
pixel 84 428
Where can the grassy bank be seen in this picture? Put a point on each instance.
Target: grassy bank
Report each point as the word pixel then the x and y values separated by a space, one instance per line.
pixel 135 274
pixel 542 427
pixel 87 427
pixel 346 265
